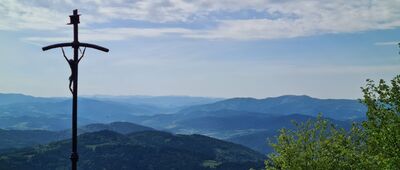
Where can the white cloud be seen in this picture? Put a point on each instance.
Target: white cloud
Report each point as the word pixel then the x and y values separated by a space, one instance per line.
pixel 304 18
pixel 126 33
pixel 113 34
pixel 16 15
pixel 284 19
pixel 391 43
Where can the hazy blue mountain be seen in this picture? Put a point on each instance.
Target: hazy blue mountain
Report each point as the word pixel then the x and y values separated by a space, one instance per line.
pixel 225 124
pixel 25 138
pixel 88 108
pixel 235 126
pixel 18 111
pixel 173 120
pixel 141 150
pixel 39 122
pixel 119 127
pixel 55 115
pixel 232 119
pixel 240 122
pixel 341 109
pixel 111 109
pixel 257 140
pixel 12 98
pixel 171 102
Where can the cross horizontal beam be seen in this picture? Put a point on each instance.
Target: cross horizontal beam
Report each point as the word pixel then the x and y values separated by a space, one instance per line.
pixel 60 45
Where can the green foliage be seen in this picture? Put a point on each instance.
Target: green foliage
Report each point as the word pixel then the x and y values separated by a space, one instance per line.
pixel 382 129
pixel 320 145
pixel 314 145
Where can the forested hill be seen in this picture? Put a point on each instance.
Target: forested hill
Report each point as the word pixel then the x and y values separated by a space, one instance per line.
pixel 140 150
pixel 25 138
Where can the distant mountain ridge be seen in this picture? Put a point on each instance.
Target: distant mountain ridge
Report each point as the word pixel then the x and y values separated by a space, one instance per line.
pixel 18 111
pixel 13 98
pixel 232 119
pixel 341 109
pixel 55 115
pixel 159 101
pixel 240 118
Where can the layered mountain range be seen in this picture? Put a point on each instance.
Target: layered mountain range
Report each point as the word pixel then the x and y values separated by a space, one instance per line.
pixel 245 121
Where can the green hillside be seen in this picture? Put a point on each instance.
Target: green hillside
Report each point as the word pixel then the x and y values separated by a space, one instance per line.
pixel 26 138
pixel 140 150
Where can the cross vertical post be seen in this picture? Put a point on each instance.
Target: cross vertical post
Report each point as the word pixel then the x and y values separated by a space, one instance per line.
pixel 74 155
pixel 74 20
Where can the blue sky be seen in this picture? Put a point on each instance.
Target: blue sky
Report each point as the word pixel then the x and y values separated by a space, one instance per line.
pixel 226 48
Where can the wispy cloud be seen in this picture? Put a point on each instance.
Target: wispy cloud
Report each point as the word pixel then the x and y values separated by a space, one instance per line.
pixel 387 43
pixel 114 34
pixel 284 19
pixel 16 16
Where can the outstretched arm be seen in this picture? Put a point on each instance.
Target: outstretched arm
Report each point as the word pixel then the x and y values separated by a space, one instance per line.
pixel 62 49
pixel 83 53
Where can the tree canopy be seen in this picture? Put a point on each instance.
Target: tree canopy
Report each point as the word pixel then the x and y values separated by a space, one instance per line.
pixel 373 144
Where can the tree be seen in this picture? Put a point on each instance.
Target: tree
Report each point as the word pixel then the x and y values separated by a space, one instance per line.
pixel 315 144
pixel 375 144
pixel 382 129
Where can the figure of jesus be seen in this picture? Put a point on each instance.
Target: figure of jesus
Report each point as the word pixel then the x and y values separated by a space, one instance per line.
pixel 72 64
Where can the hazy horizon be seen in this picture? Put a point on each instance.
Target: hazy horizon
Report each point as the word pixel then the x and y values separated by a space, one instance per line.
pixel 170 95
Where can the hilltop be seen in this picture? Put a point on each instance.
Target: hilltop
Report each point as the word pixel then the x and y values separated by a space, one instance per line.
pixel 140 150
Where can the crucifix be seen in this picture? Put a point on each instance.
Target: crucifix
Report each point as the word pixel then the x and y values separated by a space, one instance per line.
pixel 73 79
